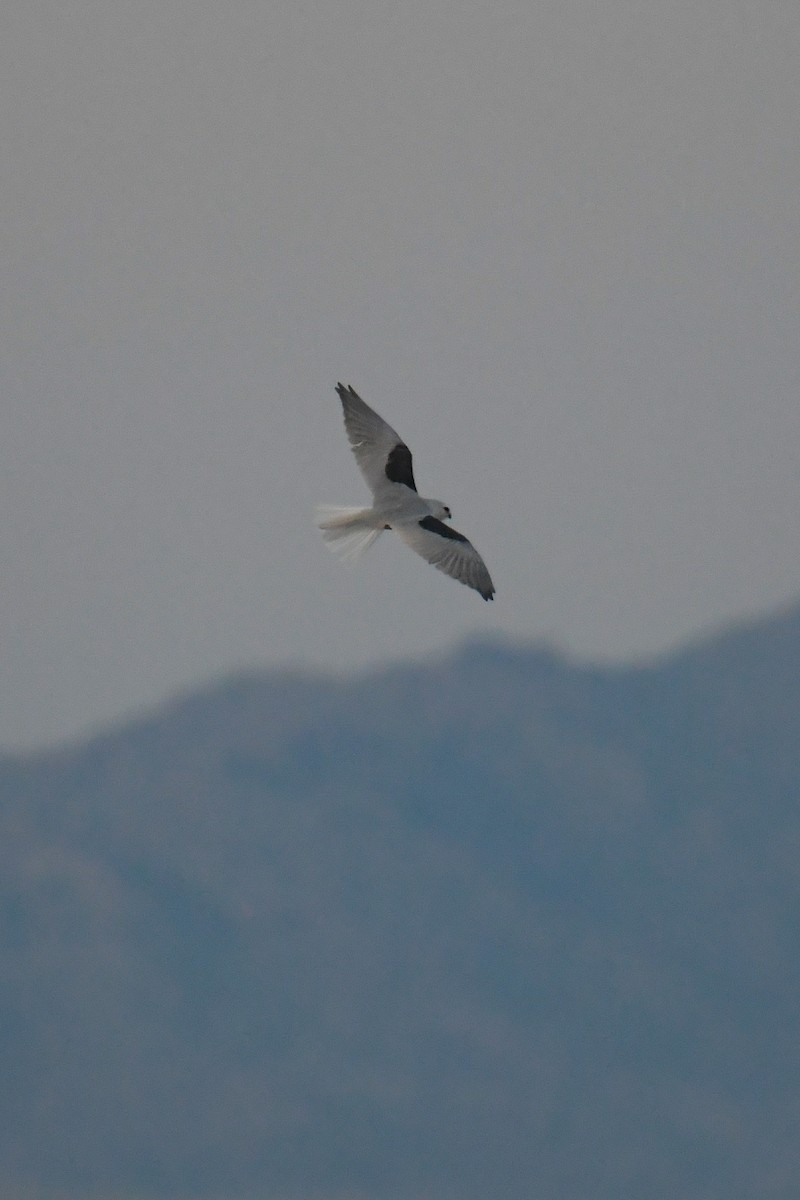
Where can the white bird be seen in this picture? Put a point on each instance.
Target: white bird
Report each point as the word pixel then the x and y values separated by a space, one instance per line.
pixel 385 462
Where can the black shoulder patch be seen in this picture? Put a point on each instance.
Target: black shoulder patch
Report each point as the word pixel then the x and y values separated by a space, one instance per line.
pixel 398 466
pixel 433 525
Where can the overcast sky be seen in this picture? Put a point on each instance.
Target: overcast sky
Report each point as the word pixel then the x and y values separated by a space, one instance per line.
pixel 555 243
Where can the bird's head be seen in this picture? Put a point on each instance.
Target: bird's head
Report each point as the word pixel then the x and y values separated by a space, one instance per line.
pixel 440 511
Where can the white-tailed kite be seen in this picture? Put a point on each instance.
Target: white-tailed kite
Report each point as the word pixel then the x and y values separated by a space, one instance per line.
pixel 385 462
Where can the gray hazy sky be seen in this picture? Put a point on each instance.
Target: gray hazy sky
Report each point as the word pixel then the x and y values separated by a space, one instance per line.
pixel 555 243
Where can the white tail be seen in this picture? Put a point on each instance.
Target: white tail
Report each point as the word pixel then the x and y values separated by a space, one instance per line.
pixel 348 531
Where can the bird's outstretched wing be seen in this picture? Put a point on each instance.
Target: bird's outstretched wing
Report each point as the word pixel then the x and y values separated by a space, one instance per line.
pixel 449 551
pixel 380 453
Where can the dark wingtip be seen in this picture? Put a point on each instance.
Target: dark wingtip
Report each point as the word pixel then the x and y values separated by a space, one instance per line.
pixel 488 595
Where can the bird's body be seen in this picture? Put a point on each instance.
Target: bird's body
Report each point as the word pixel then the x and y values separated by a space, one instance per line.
pixel 386 464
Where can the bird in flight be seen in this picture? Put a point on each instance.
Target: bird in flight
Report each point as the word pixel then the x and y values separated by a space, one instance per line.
pixel 385 462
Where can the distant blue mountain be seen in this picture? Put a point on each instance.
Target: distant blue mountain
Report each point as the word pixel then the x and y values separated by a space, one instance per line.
pixel 502 925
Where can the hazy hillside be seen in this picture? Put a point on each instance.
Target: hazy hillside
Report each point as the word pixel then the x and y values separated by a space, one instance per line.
pixel 498 926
